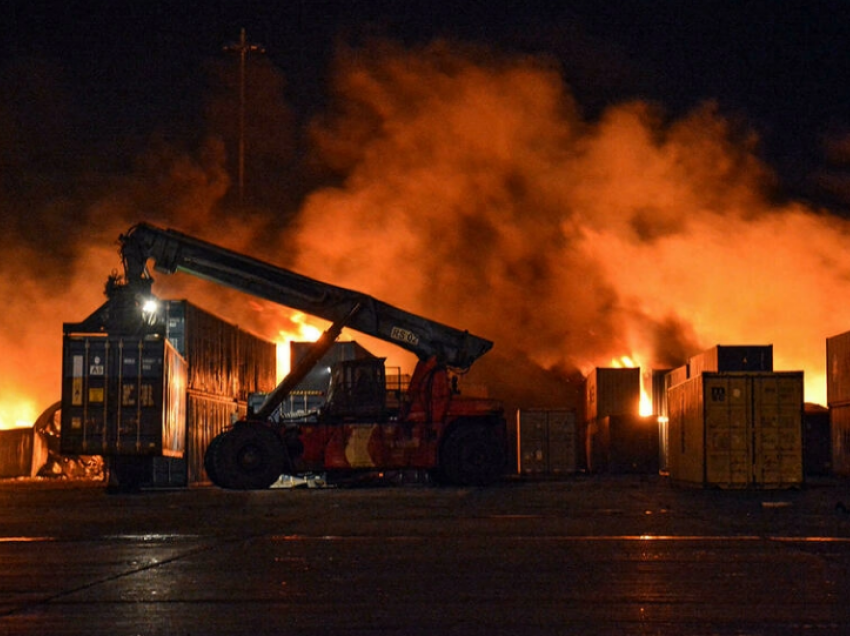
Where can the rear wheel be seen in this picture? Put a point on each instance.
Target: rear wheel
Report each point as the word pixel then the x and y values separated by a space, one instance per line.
pixel 248 457
pixel 472 456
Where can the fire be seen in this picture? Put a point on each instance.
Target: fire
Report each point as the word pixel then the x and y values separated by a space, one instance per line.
pixel 301 331
pixel 17 413
pixel 629 362
pixel 645 400
pixel 625 362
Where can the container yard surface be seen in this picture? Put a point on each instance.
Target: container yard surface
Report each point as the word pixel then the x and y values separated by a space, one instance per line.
pixel 624 554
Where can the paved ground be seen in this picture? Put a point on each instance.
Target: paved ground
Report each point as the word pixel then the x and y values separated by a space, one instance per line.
pixel 600 555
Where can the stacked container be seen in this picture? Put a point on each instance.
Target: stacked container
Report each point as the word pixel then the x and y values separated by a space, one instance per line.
pixel 608 392
pixel 734 423
pixel 611 392
pixel 153 403
pixel 725 358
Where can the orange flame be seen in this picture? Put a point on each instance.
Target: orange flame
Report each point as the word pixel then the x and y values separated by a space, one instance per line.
pixel 630 362
pixel 301 331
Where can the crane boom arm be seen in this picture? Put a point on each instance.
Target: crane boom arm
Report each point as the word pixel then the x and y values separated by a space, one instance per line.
pixel 173 251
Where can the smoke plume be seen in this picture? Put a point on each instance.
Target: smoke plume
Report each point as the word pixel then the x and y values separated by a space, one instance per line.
pixel 470 188
pixel 475 192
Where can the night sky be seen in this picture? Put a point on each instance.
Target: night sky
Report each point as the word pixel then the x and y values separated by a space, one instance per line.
pixel 88 85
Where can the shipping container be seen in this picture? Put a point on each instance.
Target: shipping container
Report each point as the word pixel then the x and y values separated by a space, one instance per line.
pixel 839 417
pixel 838 370
pixel 151 405
pixel 208 415
pixel 676 376
pixel 817 440
pixel 17 448
pixel 123 396
pixel 737 430
pixel 611 392
pixel 731 358
pixel 623 444
pixel 546 442
pixel 223 359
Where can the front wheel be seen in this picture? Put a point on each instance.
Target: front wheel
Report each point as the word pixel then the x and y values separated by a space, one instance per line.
pixel 472 456
pixel 248 457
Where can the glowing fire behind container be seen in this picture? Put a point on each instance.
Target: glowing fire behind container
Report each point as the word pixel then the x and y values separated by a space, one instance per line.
pixel 17 412
pixel 631 362
pixel 301 331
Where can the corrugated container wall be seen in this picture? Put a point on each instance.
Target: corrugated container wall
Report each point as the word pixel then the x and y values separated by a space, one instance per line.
pixel 732 358
pixel 208 415
pixel 547 442
pixel 226 365
pixel 839 417
pixel 676 376
pixel 737 430
pixel 838 370
pixel 611 392
pixel 223 359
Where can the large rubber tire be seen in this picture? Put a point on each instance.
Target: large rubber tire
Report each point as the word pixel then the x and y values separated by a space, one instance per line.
pixel 472 455
pixel 209 456
pixel 248 457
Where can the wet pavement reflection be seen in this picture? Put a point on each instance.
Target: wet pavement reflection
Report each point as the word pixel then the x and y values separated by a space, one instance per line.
pixel 578 557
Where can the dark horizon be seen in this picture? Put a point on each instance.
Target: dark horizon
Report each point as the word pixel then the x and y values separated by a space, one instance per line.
pixel 90 84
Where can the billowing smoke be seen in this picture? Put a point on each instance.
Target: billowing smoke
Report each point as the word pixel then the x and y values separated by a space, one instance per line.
pixel 477 193
pixel 470 188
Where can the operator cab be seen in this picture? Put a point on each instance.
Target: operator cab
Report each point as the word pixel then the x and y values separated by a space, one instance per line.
pixel 358 390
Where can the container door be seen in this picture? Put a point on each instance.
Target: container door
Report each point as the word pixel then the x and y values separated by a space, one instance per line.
pixel 777 430
pixel 532 442
pixel 84 396
pixel 727 431
pixel 138 420
pixel 563 448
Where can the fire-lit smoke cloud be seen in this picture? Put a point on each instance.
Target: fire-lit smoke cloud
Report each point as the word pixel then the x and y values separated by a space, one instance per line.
pixel 476 192
pixel 471 189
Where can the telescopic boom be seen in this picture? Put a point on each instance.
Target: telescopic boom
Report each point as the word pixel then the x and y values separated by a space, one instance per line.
pixel 173 251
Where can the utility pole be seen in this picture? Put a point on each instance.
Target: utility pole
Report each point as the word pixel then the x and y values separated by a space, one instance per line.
pixel 243 47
